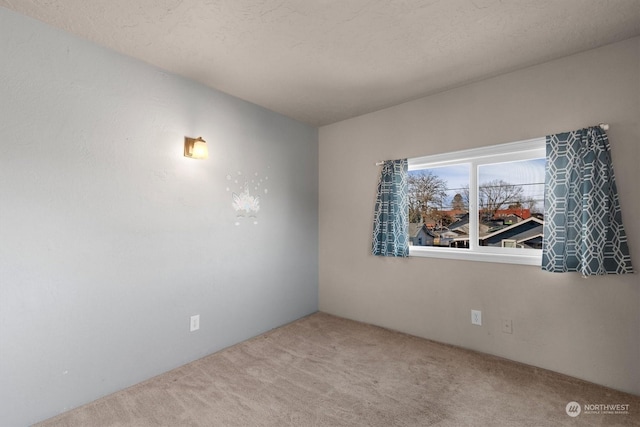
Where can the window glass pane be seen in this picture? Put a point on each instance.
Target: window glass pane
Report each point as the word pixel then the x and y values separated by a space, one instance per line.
pixel 439 206
pixel 511 204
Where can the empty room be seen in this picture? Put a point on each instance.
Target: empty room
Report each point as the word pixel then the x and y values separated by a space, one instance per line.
pixel 319 213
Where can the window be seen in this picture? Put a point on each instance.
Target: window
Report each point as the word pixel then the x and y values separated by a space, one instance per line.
pixel 484 204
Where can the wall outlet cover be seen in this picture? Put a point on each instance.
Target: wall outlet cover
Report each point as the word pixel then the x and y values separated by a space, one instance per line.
pixel 476 317
pixel 507 326
pixel 194 325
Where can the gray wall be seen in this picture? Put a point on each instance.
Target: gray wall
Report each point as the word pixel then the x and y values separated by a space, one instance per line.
pixel 586 328
pixel 110 239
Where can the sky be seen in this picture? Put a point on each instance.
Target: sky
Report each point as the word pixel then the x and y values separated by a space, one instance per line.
pixel 527 172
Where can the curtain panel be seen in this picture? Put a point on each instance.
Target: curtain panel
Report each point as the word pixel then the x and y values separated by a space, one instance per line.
pixel 391 213
pixel 583 228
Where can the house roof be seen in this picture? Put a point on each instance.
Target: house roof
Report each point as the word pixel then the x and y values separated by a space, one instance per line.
pixel 528 234
pixel 532 227
pixel 521 224
pixel 461 222
pixel 415 227
pixel 519 212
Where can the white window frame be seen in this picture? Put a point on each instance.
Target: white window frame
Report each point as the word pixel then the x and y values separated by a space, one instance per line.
pixel 510 152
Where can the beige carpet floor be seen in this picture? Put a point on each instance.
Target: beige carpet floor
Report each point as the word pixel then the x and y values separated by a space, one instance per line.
pixel 327 371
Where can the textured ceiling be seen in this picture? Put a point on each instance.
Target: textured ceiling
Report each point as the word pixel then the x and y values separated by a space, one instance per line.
pixel 322 61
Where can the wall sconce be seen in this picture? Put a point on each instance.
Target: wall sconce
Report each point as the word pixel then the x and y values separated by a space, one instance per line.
pixel 195 148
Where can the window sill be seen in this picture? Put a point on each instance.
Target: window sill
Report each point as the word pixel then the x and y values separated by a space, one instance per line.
pixel 467 255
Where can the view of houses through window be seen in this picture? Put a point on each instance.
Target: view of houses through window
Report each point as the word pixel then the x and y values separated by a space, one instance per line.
pixel 510 205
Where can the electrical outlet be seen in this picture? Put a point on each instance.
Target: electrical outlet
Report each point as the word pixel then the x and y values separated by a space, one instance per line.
pixel 476 317
pixel 507 326
pixel 195 323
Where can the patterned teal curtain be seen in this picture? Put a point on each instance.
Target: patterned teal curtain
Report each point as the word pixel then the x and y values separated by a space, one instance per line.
pixel 583 228
pixel 391 216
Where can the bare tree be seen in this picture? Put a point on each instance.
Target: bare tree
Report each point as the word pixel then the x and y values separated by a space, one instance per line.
pixel 495 194
pixel 465 196
pixel 426 192
pixel 531 204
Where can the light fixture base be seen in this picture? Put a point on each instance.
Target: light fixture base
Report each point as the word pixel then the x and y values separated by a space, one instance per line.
pixel 195 148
